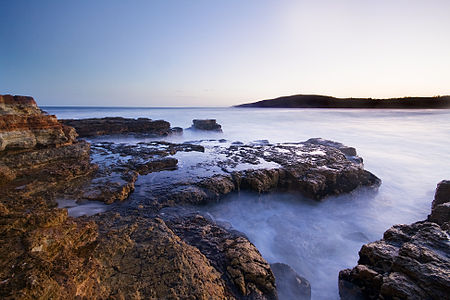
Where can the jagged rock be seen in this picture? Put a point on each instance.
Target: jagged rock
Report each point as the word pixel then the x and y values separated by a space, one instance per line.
pixel 118 125
pixel 45 254
pixel 410 262
pixel 290 285
pixel 135 250
pixel 207 124
pixel 440 208
pixel 246 273
pixel 316 171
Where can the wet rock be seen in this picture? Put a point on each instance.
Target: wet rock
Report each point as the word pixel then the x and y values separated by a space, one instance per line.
pixel 315 171
pixel 118 125
pixel 135 250
pixel 349 152
pixel 289 284
pixel 440 208
pixel 206 124
pixel 410 262
pixel 119 166
pixel 177 130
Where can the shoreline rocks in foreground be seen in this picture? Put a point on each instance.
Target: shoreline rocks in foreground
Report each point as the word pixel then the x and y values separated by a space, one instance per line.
pixel 410 262
pixel 151 245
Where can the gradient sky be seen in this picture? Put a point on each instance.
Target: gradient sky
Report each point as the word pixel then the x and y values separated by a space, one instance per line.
pixel 218 53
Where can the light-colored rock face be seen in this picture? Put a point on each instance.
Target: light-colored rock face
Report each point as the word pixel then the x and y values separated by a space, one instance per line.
pixel 18 105
pixel 24 126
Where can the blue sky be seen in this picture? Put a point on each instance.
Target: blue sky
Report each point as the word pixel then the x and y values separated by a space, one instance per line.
pixel 219 53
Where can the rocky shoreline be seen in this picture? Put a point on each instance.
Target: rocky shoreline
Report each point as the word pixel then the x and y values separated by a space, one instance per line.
pixel 410 262
pixel 151 243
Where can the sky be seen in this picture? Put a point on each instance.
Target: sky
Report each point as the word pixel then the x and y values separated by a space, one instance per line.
pixel 221 53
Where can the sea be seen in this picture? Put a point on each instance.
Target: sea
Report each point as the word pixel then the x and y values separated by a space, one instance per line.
pixel 409 150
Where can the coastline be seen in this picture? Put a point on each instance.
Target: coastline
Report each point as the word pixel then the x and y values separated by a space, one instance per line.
pixel 182 223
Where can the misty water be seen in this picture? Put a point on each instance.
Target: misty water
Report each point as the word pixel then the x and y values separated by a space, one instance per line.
pixel 408 149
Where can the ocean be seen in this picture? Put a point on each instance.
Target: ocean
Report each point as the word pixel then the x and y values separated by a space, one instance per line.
pixel 409 150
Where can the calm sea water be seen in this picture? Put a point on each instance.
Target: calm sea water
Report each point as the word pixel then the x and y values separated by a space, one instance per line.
pixel 408 149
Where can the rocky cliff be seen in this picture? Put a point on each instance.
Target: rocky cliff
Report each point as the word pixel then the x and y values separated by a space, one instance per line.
pixel 410 262
pixel 24 126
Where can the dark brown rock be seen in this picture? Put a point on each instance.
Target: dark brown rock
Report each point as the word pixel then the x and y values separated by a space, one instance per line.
pixel 440 208
pixel 206 124
pixel 118 125
pixel 315 171
pixel 410 262
pixel 247 274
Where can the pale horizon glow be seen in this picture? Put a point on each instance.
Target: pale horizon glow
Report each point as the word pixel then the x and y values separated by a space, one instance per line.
pixel 221 53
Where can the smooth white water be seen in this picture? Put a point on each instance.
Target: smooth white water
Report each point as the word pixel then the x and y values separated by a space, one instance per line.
pixel 408 149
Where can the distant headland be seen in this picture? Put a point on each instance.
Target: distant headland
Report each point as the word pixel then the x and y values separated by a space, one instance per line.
pixel 319 101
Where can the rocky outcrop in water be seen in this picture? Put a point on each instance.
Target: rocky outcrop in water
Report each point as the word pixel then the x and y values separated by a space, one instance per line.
pixel 151 245
pixel 118 125
pixel 119 254
pixel 207 125
pixel 410 262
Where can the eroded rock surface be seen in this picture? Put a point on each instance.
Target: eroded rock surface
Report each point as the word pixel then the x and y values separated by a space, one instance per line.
pixel 313 170
pixel 149 246
pixel 24 126
pixel 118 125
pixel 120 254
pixel 410 262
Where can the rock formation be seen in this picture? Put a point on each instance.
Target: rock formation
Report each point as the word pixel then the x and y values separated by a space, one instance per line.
pixel 151 245
pixel 207 125
pixel 119 254
pixel 118 125
pixel 410 262
pixel 24 126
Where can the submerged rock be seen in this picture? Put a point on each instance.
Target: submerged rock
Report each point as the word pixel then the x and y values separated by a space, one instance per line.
pixel 290 285
pixel 206 124
pixel 118 125
pixel 410 262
